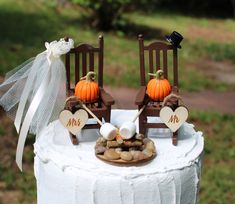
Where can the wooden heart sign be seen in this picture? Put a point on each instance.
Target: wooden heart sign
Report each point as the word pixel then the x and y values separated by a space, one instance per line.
pixel 174 119
pixel 73 122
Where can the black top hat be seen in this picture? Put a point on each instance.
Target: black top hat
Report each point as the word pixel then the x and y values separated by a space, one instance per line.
pixel 175 38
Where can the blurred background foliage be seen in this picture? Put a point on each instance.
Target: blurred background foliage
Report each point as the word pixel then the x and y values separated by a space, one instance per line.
pixel 206 62
pixel 107 14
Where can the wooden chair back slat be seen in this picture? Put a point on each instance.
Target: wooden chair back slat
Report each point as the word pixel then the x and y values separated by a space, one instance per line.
pixel 67 65
pixel 91 61
pixel 84 64
pixel 141 57
pixel 101 61
pixel 165 64
pixel 77 65
pixel 175 67
pixel 158 62
pixel 151 62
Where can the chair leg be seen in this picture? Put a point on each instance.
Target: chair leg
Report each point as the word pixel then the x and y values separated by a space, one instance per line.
pixel 175 138
pixel 74 139
pixel 108 114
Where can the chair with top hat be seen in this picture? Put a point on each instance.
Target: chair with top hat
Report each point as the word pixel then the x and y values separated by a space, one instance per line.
pixel 157 55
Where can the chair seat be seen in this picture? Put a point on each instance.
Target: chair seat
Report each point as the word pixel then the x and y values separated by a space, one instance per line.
pixel 104 98
pixel 97 109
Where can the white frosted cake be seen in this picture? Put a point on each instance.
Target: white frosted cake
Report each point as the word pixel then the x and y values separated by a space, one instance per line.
pixel 68 174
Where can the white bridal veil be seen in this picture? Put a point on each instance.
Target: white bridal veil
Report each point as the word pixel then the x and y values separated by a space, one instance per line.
pixel 34 93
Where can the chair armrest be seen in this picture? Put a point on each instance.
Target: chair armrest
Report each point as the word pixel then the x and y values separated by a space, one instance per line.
pixel 139 100
pixel 106 98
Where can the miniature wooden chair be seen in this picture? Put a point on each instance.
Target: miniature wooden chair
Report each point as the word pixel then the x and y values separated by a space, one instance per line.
pixel 152 108
pixel 85 58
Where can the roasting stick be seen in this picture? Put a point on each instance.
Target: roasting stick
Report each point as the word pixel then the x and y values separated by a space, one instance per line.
pixel 107 130
pixel 92 114
pixel 138 114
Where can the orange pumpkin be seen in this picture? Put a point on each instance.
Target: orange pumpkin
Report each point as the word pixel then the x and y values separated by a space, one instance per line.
pixel 87 90
pixel 158 88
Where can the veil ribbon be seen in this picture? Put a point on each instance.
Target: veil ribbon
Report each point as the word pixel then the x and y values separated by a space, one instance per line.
pixel 34 93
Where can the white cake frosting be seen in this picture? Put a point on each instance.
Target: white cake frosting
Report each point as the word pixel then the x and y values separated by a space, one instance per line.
pixel 68 174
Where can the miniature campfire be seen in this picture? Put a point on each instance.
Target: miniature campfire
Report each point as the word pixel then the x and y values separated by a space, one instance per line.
pixel 119 150
pixel 123 145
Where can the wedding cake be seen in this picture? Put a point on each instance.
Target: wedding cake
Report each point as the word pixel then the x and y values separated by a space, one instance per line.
pixel 34 93
pixel 68 174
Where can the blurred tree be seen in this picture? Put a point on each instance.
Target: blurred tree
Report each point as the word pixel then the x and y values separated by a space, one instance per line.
pixel 233 3
pixel 105 13
pixel 209 8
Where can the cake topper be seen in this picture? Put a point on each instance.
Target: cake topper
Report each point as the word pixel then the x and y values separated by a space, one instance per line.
pixel 34 93
pixel 175 38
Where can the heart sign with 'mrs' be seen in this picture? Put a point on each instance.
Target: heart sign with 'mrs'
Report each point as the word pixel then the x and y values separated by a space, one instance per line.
pixel 174 119
pixel 73 122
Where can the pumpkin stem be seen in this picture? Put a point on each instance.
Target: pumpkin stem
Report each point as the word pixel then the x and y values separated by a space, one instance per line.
pixel 159 74
pixel 90 76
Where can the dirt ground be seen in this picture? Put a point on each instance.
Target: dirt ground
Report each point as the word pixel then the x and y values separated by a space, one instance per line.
pixel 223 71
pixel 210 33
pixel 205 100
pixel 223 102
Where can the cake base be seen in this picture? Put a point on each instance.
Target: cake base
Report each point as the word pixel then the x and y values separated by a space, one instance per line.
pixel 68 174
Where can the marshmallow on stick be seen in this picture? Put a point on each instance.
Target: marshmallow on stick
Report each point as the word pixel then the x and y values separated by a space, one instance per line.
pixel 107 130
pixel 128 129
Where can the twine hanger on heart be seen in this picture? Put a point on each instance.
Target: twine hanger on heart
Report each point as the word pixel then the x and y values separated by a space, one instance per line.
pixel 169 99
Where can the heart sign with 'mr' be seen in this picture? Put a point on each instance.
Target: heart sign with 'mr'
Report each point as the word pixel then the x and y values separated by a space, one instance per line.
pixel 174 119
pixel 73 122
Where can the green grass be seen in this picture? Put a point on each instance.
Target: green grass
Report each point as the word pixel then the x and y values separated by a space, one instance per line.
pixel 10 176
pixel 215 51
pixel 218 176
pixel 25 31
